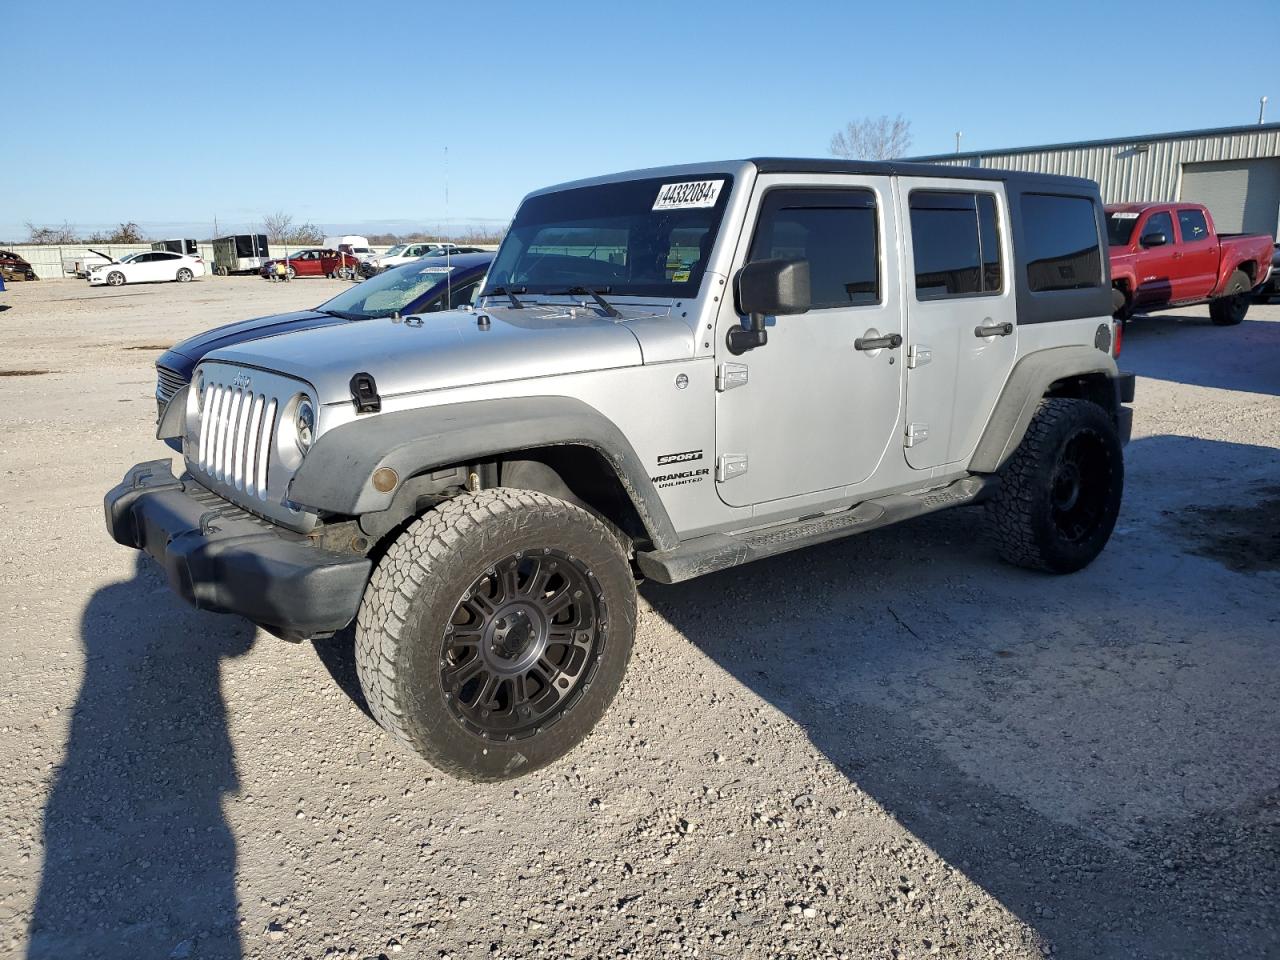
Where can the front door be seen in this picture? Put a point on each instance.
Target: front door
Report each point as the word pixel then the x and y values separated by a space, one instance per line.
pixel 961 334
pixel 1157 262
pixel 809 411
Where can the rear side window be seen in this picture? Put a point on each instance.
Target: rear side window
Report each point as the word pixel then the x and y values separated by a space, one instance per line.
pixel 1193 226
pixel 835 230
pixel 955 238
pixel 1061 240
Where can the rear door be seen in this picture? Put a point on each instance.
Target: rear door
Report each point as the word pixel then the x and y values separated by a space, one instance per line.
pixel 809 411
pixel 1199 263
pixel 961 336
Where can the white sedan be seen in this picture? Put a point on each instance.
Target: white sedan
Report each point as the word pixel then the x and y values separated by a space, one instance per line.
pixel 148 267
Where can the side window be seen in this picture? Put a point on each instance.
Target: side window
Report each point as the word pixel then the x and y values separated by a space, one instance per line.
pixel 835 230
pixel 1060 242
pixel 956 242
pixel 1192 225
pixel 1159 223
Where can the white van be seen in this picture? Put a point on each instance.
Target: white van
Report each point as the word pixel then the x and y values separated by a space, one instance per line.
pixel 357 247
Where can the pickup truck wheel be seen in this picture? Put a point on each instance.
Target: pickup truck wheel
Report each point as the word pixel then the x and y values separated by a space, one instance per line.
pixel 1229 309
pixel 1119 304
pixel 495 632
pixel 1059 493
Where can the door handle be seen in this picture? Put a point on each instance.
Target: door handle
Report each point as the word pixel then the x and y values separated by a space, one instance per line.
pixel 890 341
pixel 995 330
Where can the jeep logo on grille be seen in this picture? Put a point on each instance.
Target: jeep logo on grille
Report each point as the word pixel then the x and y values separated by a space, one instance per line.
pixel 242 381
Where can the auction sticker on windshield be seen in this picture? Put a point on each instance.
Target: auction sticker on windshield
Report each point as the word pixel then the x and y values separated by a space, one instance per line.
pixel 692 193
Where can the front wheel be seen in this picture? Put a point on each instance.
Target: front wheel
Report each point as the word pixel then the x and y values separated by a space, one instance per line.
pixel 1059 494
pixel 115 278
pixel 290 273
pixel 184 275
pixel 496 631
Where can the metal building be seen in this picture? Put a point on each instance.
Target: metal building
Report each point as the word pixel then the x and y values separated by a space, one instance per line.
pixel 1234 171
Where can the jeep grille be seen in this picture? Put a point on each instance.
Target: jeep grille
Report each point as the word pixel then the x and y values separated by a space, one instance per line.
pixel 236 429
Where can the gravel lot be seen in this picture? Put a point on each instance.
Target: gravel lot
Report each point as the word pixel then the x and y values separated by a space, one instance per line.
pixel 890 747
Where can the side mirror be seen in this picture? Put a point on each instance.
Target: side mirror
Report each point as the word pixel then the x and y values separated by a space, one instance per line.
pixel 1154 240
pixel 767 288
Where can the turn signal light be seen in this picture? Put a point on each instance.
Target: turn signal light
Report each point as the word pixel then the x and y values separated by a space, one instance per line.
pixel 1117 340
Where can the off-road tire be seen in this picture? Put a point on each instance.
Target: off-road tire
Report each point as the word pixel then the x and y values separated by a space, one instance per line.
pixel 184 275
pixel 1066 439
pixel 115 279
pixel 417 591
pixel 1229 309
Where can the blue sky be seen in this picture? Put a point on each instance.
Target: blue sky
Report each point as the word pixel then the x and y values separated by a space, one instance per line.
pixel 341 113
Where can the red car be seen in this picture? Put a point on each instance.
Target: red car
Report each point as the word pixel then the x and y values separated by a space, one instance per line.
pixel 314 262
pixel 1169 255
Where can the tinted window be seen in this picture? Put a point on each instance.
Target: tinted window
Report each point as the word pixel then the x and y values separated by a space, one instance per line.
pixel 1061 242
pixel 955 238
pixel 1192 225
pixel 835 230
pixel 1159 223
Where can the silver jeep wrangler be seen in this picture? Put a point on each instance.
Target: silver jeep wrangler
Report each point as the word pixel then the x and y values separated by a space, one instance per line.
pixel 669 372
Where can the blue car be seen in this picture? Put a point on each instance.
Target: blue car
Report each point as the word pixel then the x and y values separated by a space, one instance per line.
pixel 422 286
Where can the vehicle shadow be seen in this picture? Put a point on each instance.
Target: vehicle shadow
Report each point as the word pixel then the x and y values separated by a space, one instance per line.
pixel 1189 348
pixel 1095 751
pixel 337 654
pixel 138 858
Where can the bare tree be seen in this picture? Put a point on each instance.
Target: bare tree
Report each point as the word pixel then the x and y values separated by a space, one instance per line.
pixel 278 226
pixel 127 233
pixel 63 234
pixel 873 138
pixel 306 233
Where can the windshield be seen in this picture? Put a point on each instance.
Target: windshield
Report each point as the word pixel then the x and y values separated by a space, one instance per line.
pixel 1120 224
pixel 390 291
pixel 130 258
pixel 633 238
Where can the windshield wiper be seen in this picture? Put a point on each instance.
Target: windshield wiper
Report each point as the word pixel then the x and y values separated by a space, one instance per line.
pixel 605 305
pixel 344 315
pixel 510 294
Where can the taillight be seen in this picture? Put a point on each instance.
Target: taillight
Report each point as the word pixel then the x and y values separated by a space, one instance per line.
pixel 1117 339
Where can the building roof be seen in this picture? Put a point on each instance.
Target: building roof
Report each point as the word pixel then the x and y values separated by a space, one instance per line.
pixel 1110 141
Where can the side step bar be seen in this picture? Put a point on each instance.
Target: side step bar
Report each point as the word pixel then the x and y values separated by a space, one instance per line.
pixel 719 551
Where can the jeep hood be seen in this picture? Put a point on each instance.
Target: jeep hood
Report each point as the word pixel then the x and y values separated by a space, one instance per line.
pixel 436 351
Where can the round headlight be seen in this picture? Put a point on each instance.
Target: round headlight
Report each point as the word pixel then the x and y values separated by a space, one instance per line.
pixel 304 424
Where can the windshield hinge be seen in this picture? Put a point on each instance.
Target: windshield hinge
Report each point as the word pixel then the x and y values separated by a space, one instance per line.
pixel 364 393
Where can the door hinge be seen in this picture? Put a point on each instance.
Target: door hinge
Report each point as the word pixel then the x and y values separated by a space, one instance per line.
pixel 918 355
pixel 730 465
pixel 730 375
pixel 916 433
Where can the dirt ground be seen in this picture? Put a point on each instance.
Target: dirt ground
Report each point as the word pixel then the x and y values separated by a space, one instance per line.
pixel 889 747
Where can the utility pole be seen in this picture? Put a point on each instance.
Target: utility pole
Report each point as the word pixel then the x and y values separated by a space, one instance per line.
pixel 958 136
pixel 1262 109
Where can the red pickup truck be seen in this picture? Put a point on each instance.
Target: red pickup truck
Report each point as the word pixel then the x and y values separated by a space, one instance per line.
pixel 1168 255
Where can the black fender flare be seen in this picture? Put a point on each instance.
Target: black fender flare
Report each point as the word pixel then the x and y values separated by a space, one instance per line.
pixel 336 475
pixel 1028 382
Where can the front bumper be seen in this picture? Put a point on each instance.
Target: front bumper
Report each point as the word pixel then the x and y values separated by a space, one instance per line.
pixel 218 557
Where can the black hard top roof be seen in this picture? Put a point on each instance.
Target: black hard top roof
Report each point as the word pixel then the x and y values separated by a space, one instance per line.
pixel 902 168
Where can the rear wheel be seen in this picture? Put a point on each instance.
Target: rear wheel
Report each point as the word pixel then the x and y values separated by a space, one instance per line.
pixel 1229 309
pixel 115 278
pixel 184 275
pixel 496 631
pixel 1059 493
